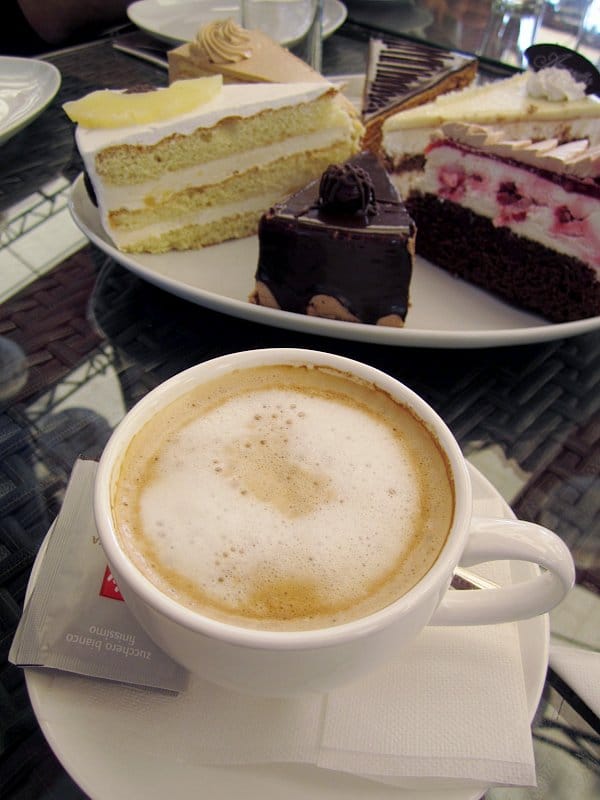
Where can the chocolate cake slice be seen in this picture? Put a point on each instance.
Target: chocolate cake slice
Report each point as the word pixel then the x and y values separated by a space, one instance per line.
pixel 340 248
pixel 403 74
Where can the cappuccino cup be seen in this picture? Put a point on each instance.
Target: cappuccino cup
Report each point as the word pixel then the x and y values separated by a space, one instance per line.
pixel 282 521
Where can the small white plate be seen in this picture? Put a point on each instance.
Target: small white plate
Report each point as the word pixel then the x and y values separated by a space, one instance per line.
pixel 445 311
pixel 177 21
pixel 27 86
pixel 87 724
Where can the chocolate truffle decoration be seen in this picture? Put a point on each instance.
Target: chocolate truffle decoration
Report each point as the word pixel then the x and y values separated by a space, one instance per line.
pixel 346 188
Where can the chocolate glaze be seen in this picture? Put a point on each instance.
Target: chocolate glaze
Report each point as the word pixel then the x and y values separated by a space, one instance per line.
pixel 364 261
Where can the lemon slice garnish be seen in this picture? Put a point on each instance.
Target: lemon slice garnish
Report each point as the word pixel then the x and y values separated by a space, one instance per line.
pixel 107 108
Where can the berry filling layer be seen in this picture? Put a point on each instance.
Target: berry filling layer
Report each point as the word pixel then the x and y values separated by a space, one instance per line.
pixel 561 214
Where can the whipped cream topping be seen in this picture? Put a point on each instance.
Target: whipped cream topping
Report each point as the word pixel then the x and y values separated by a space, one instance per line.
pixel 160 188
pixel 222 42
pixel 555 84
pixel 132 241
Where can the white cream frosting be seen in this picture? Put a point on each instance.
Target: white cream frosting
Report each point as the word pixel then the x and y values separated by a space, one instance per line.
pixel 506 104
pixel 399 145
pixel 501 102
pixel 127 239
pixel 139 195
pixel 234 100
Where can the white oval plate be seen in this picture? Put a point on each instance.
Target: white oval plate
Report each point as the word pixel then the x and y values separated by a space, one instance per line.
pixel 445 311
pixel 27 86
pixel 177 21
pixel 87 724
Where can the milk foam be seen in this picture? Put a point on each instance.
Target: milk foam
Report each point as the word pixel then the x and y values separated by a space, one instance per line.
pixel 284 505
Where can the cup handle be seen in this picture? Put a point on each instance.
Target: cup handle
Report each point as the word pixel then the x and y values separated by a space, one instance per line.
pixel 516 540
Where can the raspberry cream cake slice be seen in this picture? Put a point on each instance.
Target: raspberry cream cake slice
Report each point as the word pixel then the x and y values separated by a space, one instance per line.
pixel 518 217
pixel 517 105
pixel 185 167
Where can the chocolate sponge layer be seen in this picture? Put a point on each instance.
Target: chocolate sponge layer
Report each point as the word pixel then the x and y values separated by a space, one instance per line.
pixel 527 274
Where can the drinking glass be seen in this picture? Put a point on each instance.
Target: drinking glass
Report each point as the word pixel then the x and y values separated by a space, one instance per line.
pixel 588 37
pixel 513 26
pixel 297 24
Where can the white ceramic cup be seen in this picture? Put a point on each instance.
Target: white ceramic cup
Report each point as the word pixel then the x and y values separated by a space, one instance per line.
pixel 279 663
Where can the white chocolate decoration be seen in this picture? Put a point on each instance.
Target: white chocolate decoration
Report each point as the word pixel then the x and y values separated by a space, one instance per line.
pixel 577 158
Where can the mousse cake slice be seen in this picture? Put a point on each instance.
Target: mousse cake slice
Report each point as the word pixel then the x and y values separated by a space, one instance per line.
pixel 241 56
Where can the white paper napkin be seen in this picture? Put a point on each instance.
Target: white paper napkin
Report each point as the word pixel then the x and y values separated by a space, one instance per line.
pixel 452 706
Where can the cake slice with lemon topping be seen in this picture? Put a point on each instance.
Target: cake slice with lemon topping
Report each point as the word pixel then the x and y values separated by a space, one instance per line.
pixel 195 166
pixel 509 198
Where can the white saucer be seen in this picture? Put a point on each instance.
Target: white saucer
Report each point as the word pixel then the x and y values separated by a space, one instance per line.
pixel 27 86
pixel 86 723
pixel 177 21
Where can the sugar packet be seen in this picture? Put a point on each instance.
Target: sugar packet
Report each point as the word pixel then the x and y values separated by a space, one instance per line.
pixel 75 618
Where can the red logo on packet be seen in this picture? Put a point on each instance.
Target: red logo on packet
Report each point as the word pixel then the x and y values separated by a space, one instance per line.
pixel 109 586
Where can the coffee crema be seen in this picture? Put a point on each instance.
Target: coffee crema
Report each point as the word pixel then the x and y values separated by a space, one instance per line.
pixel 284 498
